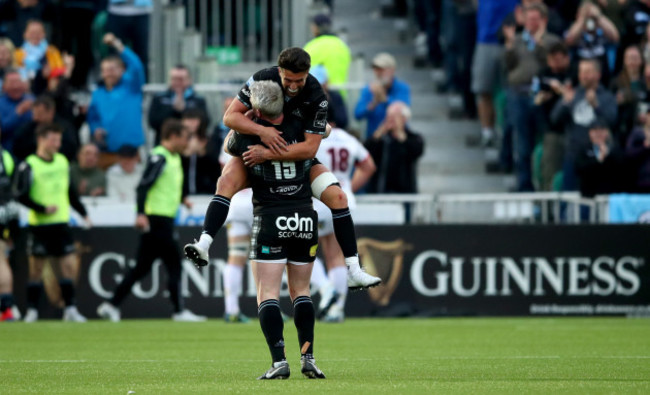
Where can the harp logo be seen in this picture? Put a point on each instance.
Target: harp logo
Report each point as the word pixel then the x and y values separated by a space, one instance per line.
pixel 384 259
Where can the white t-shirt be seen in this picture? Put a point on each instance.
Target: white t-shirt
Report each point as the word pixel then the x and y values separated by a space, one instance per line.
pixel 123 185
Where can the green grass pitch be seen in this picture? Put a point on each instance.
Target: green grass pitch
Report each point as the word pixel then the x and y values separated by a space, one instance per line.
pixel 397 356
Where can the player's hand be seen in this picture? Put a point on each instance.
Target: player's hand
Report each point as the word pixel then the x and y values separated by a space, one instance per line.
pixel 142 222
pixel 87 223
pixel 255 155
pixel 188 203
pixel 272 138
pixel 51 209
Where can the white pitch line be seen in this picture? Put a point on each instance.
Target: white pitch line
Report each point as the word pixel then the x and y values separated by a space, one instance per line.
pixel 325 360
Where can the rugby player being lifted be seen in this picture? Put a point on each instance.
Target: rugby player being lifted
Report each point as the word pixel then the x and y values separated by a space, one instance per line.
pixel 305 101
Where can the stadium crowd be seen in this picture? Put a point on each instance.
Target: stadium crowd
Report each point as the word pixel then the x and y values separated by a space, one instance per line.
pixel 560 86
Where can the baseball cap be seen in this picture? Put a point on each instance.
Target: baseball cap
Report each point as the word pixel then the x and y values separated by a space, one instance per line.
pixel 384 60
pixel 322 20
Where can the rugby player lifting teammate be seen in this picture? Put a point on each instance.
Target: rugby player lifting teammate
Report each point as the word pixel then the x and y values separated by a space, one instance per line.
pixel 304 100
pixel 285 233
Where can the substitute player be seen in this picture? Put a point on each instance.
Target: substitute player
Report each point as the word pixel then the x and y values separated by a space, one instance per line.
pixel 43 185
pixel 159 195
pixel 305 102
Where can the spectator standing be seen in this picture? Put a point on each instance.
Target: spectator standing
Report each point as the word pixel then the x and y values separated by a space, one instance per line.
pixel 487 66
pixel 15 15
pixel 43 185
pixel 329 50
pixel 129 21
pixel 180 96
pixel 36 54
pixel 77 17
pixel 629 88
pixel 201 167
pixel 591 35
pixel 123 177
pixel 577 110
pixel 395 150
pixel 525 56
pixel 15 107
pixel 115 112
pixel 557 73
pixel 600 164
pixel 384 90
pixel 43 113
pixel 6 57
pixel 638 153
pixel 89 179
pixel 459 21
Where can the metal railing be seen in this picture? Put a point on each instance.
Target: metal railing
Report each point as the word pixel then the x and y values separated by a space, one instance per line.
pixel 522 208
pixel 257 30
pixel 539 207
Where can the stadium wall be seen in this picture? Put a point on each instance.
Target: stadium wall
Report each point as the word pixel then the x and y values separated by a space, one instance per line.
pixel 428 270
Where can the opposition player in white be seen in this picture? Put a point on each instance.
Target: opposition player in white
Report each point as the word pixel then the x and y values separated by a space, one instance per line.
pixel 340 152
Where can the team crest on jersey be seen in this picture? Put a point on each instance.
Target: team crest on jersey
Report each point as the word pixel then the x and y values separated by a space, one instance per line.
pixel 297 113
pixel 323 104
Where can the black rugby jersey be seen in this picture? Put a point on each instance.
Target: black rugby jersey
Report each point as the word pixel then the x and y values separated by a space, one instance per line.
pixel 310 106
pixel 278 185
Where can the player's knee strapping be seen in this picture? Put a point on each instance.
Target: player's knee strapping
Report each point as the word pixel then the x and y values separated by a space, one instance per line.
pixel 321 183
pixel 239 248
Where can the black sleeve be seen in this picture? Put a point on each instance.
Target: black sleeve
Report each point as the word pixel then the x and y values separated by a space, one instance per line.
pixel 75 201
pixel 244 94
pixel 414 145
pixel 316 116
pixel 22 185
pixel 155 166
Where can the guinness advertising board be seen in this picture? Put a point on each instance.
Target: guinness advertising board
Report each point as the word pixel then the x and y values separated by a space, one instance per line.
pixel 428 270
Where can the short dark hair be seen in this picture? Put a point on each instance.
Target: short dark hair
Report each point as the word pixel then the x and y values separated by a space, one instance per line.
pixel 171 127
pixel 46 101
pixel 557 47
pixel 196 113
pixel 294 59
pixel 539 7
pixel 46 128
pixel 595 62
pixel 116 59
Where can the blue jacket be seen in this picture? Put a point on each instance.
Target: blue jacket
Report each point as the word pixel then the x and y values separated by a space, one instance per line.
pixel 10 122
pixel 399 91
pixel 119 111
pixel 137 3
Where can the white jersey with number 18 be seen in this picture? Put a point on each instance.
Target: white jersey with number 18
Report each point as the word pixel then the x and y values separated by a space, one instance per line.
pixel 339 153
